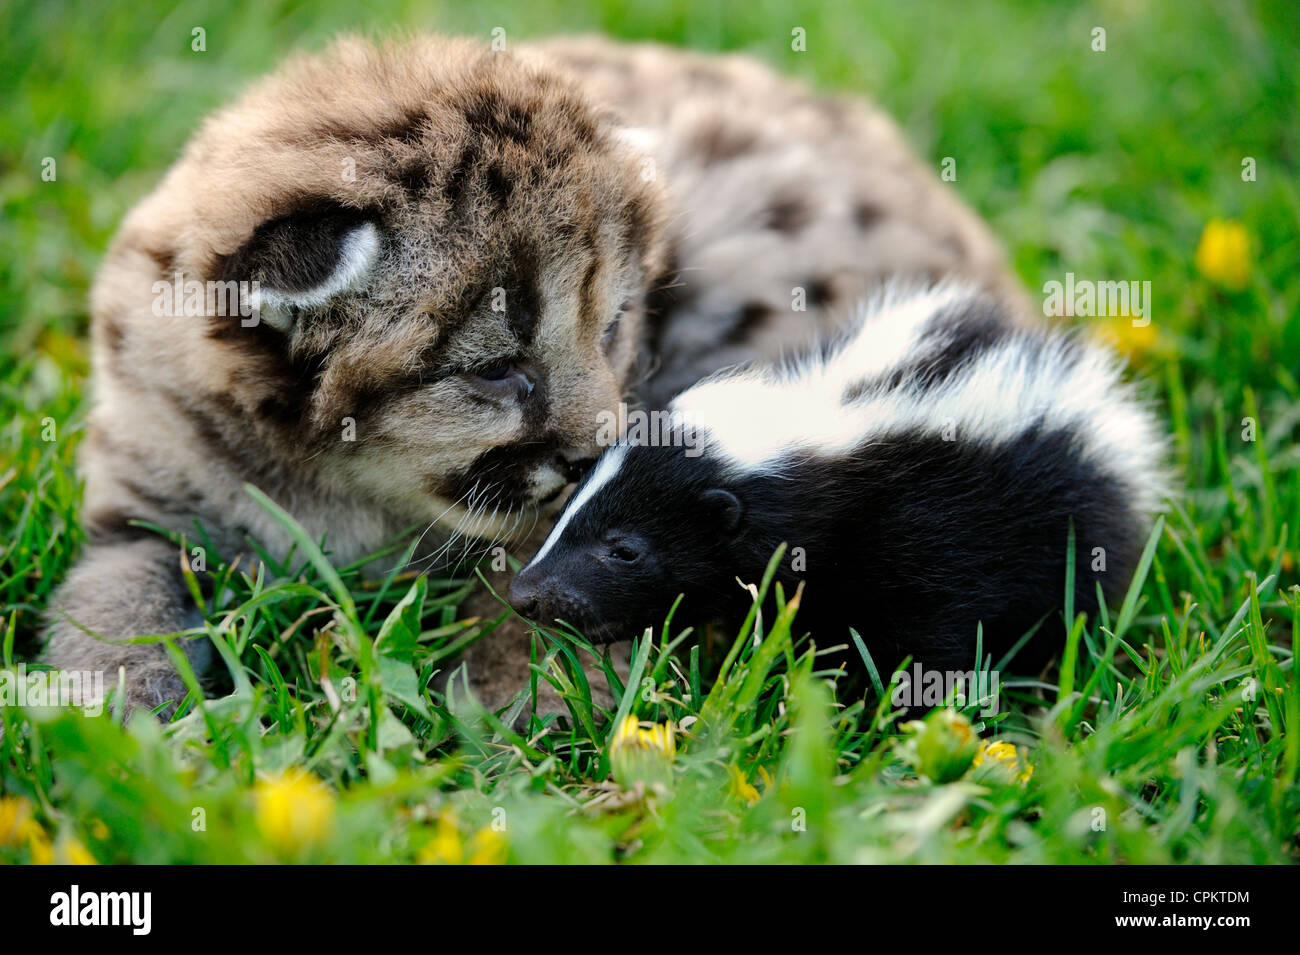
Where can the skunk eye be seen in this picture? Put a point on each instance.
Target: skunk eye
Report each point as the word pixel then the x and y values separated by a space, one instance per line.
pixel 624 552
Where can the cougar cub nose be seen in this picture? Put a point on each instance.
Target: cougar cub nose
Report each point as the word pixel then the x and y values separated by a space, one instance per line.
pixel 574 468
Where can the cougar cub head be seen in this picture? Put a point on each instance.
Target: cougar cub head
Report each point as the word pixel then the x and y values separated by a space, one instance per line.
pixel 439 254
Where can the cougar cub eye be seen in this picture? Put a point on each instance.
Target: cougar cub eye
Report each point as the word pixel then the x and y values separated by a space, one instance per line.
pixel 611 332
pixel 497 372
pixel 503 379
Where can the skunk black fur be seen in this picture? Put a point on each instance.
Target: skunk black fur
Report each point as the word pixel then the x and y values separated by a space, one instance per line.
pixel 923 471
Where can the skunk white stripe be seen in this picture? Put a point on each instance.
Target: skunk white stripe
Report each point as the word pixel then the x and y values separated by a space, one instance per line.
pixel 755 415
pixel 752 418
pixel 888 330
pixel 1010 389
pixel 605 469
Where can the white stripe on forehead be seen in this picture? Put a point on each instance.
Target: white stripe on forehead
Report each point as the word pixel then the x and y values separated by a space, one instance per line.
pixel 605 469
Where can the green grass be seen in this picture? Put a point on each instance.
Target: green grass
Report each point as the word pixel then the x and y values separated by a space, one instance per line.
pixel 1167 733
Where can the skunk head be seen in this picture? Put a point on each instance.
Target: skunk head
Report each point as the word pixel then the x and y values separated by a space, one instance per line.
pixel 647 524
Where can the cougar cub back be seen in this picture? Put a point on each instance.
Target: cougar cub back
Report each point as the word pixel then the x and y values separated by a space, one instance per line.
pixel 788 207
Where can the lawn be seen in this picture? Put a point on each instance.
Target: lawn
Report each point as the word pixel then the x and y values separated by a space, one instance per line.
pixel 1169 731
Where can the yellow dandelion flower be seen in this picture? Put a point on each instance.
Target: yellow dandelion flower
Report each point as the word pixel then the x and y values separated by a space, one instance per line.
pixel 18 826
pixel 294 810
pixel 488 847
pixel 15 817
pixel 997 751
pixel 41 849
pixel 1002 761
pixel 941 747
pixel 1223 255
pixel 1132 341
pixel 445 848
pixel 740 786
pixel 72 852
pixel 637 754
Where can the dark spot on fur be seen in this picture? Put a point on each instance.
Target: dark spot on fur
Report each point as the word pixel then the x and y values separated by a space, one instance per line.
pixel 537 407
pixel 496 119
pixel 587 316
pixel 720 142
pixel 749 318
pixel 637 216
pixel 866 214
pixel 114 334
pixel 165 259
pixel 113 526
pixel 498 184
pixel 668 294
pixel 453 186
pixel 788 213
pixel 414 177
pixel 214 434
pixel 819 292
pixel 523 299
pixel 408 128
pixel 704 76
pixel 581 124
pixel 837 110
pixel 440 485
pixel 554 154
pixel 283 409
pixel 145 493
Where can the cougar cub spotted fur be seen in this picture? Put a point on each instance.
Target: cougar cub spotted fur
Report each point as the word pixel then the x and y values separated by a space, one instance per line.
pixel 395 286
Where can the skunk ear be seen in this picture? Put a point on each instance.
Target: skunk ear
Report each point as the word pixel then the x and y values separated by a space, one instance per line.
pixel 304 259
pixel 725 506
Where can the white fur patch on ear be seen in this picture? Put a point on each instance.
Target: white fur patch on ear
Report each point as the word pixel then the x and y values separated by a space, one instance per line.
pixel 358 252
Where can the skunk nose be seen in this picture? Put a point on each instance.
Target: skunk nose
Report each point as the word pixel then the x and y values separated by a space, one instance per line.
pixel 524 595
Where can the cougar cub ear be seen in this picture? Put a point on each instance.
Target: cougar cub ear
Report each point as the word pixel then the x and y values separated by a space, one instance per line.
pixel 304 259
